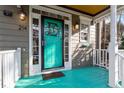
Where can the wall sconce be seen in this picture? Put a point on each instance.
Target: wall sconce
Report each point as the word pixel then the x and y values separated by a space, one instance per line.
pixel 22 17
pixel 22 14
pixel 76 26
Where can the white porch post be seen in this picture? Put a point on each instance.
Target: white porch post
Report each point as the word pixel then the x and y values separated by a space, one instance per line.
pixel 113 49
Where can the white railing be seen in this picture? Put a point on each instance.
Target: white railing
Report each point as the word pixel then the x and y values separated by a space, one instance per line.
pixel 100 58
pixel 10 67
pixel 120 64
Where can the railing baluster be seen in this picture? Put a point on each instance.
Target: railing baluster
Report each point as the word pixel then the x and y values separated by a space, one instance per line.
pixel 106 58
pixel 103 58
pixel 97 57
pixel 1 71
pixel 119 67
pixel 123 74
pixel 100 57
pixel 93 57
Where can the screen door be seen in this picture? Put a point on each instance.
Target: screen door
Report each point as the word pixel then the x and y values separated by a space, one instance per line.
pixel 52 43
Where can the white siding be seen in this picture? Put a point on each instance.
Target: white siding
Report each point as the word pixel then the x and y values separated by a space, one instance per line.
pixel 93 35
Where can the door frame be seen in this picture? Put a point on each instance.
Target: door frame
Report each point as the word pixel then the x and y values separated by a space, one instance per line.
pixel 36 69
pixel 42 42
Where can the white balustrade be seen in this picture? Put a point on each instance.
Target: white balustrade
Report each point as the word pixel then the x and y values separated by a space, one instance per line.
pixel 100 58
pixel 10 67
pixel 120 56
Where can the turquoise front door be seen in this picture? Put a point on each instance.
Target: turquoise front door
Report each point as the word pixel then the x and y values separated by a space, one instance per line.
pixel 52 43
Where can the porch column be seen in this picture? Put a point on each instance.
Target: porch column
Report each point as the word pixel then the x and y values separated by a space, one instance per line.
pixel 113 49
pixel 100 30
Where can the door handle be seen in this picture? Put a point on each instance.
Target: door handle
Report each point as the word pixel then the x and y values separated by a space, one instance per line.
pixel 43 43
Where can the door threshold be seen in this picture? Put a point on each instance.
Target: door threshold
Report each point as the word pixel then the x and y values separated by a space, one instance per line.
pixel 52 70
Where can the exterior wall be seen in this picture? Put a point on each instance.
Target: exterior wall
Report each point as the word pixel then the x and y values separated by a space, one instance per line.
pixel 10 35
pixel 87 58
pixel 97 36
pixel 75 32
pixel 93 35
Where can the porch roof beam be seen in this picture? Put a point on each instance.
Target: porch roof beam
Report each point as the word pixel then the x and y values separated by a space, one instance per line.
pixel 107 13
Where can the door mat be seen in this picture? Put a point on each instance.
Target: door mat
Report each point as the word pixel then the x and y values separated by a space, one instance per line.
pixel 52 75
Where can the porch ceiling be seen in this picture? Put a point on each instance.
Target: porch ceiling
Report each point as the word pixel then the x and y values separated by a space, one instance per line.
pixel 91 10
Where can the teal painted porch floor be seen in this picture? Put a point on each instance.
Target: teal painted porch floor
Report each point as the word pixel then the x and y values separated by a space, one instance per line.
pixel 87 77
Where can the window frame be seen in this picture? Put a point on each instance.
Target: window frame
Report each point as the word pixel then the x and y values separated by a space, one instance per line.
pixel 85 21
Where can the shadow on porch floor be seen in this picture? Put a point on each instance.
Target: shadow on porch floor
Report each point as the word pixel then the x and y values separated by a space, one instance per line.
pixel 88 77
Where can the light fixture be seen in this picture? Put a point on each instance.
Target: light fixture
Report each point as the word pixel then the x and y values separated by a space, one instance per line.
pixel 22 14
pixel 76 26
pixel 22 17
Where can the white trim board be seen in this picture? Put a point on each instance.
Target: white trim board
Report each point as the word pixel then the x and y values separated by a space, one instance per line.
pixel 106 13
pixel 98 17
pixel 85 20
pixel 70 11
pixel 37 67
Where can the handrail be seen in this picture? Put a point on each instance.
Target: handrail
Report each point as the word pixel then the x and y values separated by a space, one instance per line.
pixel 100 49
pixel 100 59
pixel 7 51
pixel 77 48
pixel 120 55
pixel 81 49
pixel 120 70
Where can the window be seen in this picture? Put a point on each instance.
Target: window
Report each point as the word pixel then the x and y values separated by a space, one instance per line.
pixel 66 43
pixel 84 33
pixel 35 35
